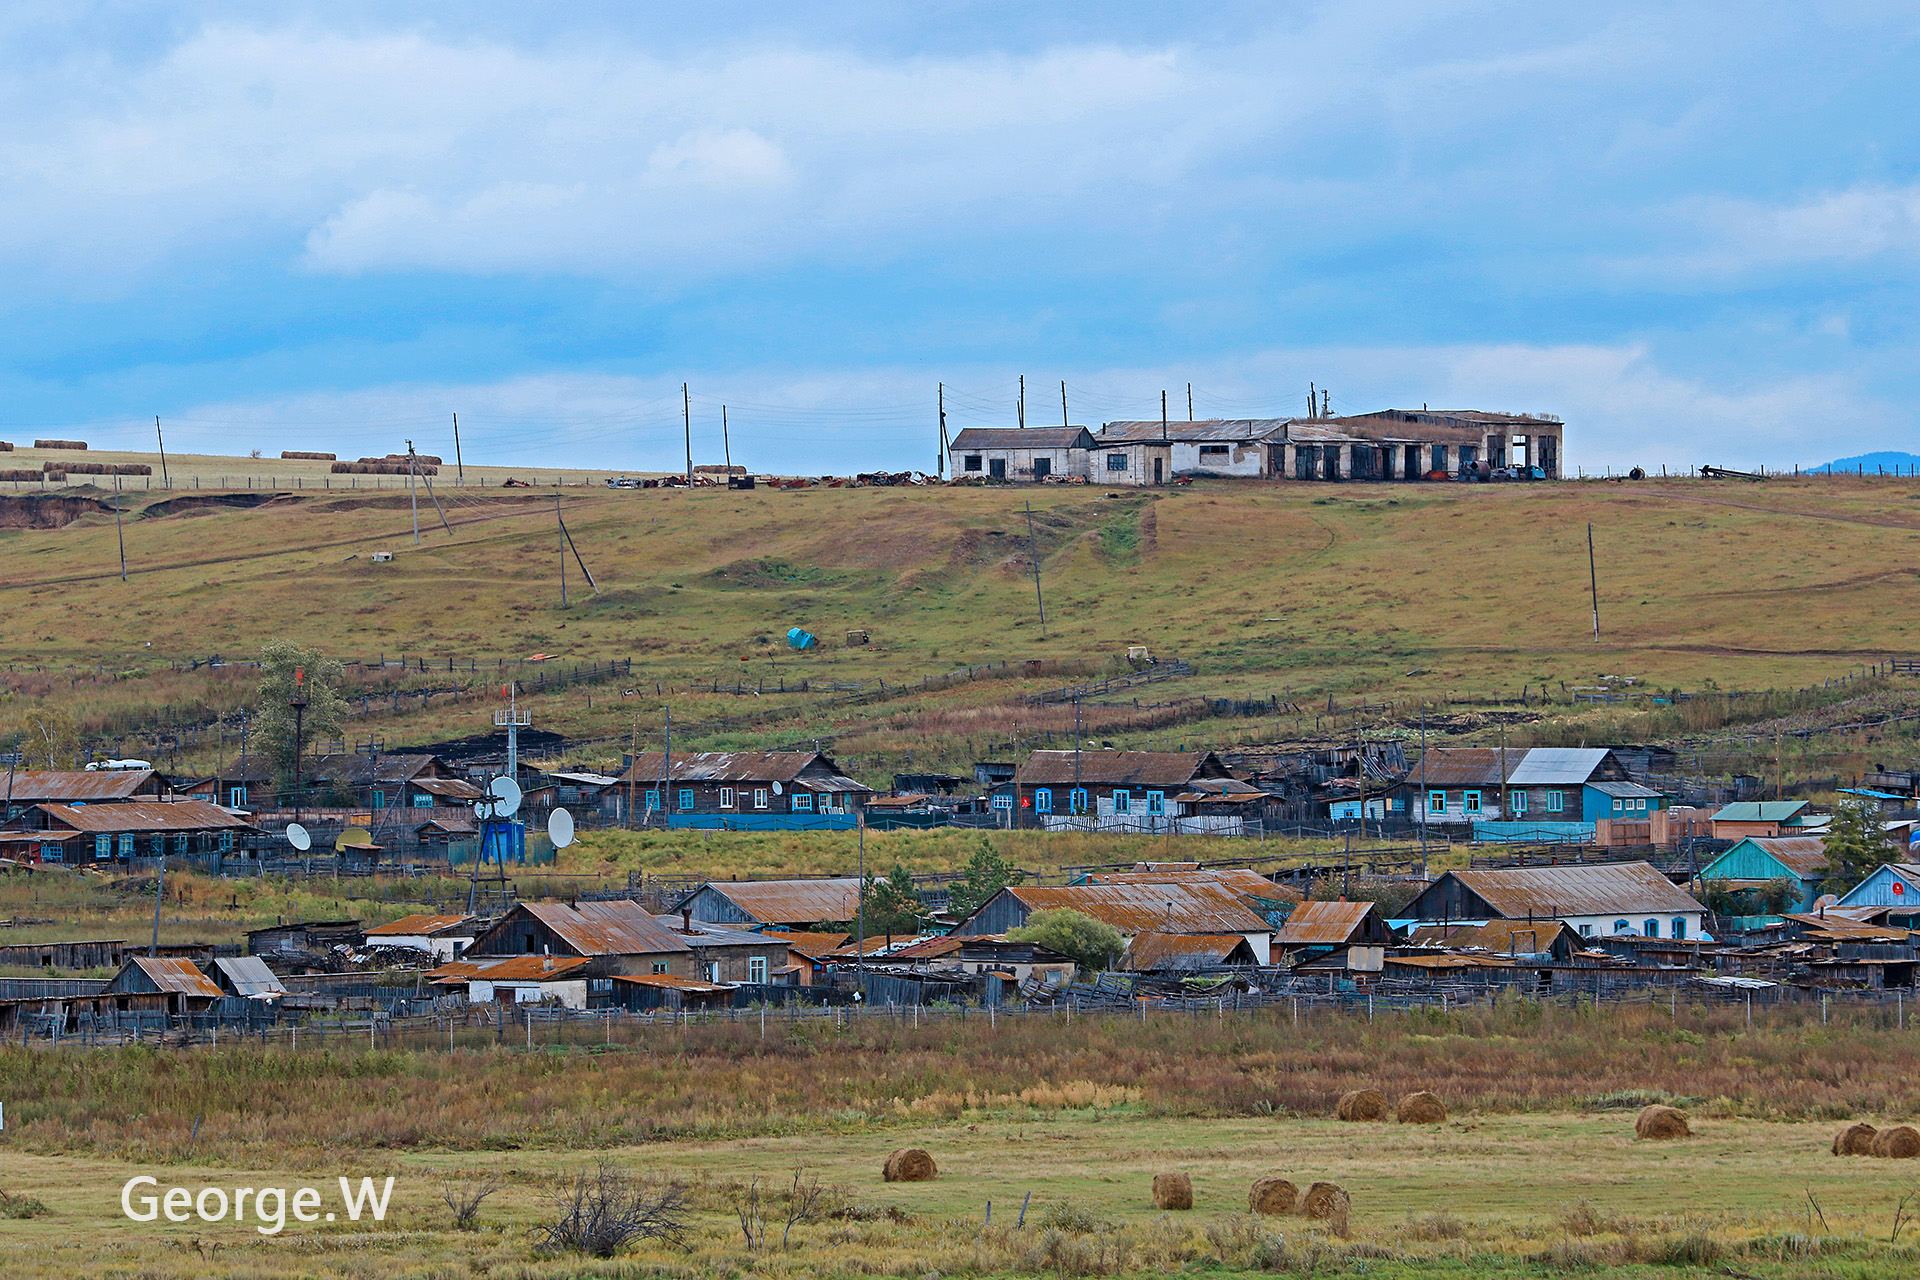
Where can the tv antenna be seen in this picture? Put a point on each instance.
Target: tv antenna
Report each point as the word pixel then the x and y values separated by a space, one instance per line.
pixel 502 840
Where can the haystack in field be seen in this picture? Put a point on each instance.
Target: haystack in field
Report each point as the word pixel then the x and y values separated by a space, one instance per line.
pixel 1855 1140
pixel 1657 1122
pixel 909 1164
pixel 1272 1196
pixel 1326 1202
pixel 1172 1191
pixel 1362 1104
pixel 1902 1142
pixel 1421 1108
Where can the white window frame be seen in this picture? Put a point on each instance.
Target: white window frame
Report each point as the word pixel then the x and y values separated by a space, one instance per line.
pixel 712 969
pixel 726 797
pixel 757 969
pixel 759 797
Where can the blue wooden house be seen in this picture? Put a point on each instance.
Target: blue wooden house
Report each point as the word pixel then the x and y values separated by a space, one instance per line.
pixel 1756 860
pixel 1893 885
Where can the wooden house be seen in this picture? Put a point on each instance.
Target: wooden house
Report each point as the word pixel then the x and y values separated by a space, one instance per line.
pixel 1020 454
pixel 1597 900
pixel 707 788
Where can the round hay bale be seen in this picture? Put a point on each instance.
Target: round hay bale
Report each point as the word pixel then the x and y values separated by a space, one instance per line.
pixel 1902 1142
pixel 1855 1140
pixel 1272 1195
pixel 1326 1202
pixel 909 1164
pixel 1362 1104
pixel 1421 1108
pixel 1172 1191
pixel 1656 1123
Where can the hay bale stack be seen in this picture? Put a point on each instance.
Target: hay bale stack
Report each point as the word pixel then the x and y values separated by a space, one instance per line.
pixel 6 446
pixel 1421 1108
pixel 1326 1202
pixel 1272 1196
pixel 909 1164
pixel 309 457
pixel 1855 1140
pixel 18 473
pixel 59 444
pixel 1362 1104
pixel 1902 1142
pixel 100 468
pixel 1657 1123
pixel 422 459
pixel 379 468
pixel 1172 1191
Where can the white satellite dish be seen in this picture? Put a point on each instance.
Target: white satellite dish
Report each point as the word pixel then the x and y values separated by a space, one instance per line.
pixel 506 796
pixel 778 789
pixel 560 828
pixel 298 837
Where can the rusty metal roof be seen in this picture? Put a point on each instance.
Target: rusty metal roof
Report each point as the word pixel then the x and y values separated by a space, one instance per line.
pixel 1802 855
pixel 619 928
pixel 1023 438
pixel 793 901
pixel 1460 767
pixel 1183 951
pixel 451 788
pixel 58 786
pixel 418 926
pixel 933 948
pixel 511 969
pixel 1209 431
pixel 1623 887
pixel 1151 908
pixel 668 981
pixel 1503 936
pixel 812 770
pixel 144 815
pixel 177 977
pixel 807 943
pixel 1120 768
pixel 1242 880
pixel 1320 924
pixel 1452 962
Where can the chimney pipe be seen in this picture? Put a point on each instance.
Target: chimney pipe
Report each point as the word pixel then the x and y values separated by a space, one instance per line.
pixel 686 919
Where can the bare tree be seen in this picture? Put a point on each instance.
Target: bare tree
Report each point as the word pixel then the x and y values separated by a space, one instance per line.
pixel 803 1200
pixel 753 1218
pixel 465 1196
pixel 604 1211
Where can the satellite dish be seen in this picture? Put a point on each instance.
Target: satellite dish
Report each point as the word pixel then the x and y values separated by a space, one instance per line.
pixel 560 828
pixel 506 796
pixel 353 836
pixel 778 789
pixel 298 837
pixel 1824 901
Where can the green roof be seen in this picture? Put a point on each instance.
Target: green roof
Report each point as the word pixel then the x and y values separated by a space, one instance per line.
pixel 1761 811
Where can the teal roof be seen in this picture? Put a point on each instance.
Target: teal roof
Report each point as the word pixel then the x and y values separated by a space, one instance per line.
pixel 1761 811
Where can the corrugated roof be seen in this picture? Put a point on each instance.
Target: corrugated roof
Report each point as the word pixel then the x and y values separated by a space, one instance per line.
pixel 714 935
pixel 1319 924
pixel 249 975
pixel 510 969
pixel 749 767
pixel 357 768
pixel 1151 908
pixel 1576 891
pixel 668 981
pixel 1452 962
pixel 933 948
pixel 1023 438
pixel 417 926
pixel 1241 880
pixel 178 977
pixel 1210 431
pixel 1181 951
pixel 1802 855
pixel 1502 936
pixel 451 788
pixel 1459 767
pixel 1118 768
pixel 1760 811
pixel 788 901
pixel 619 928
pixel 809 944
pixel 1549 766
pixel 145 815
pixel 61 785
pixel 1625 790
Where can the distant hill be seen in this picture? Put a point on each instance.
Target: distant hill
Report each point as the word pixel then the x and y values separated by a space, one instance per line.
pixel 1892 463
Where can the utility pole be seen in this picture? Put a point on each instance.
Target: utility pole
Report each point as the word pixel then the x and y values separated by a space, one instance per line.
pixel 560 528
pixel 940 463
pixel 299 704
pixel 1073 797
pixel 1313 401
pixel 860 947
pixel 459 462
pixel 159 893
pixel 1163 417
pixel 666 759
pixel 1064 420
pixel 1189 402
pixel 633 767
pixel 1503 773
pixel 117 532
pixel 164 482
pixel 1593 583
pixel 686 408
pixel 428 481
pixel 1423 811
pixel 726 441
pixel 1023 400
pixel 1033 550
pixel 413 494
pixel 1325 411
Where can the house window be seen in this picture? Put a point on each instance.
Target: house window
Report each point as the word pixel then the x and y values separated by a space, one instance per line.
pixel 103 846
pixel 1640 805
pixel 653 799
pixel 1439 457
pixel 971 462
pixel 1556 802
pixel 180 844
pixel 712 970
pixel 159 846
pixel 686 800
pixel 1517 801
pixel 1156 802
pixel 659 966
pixel 1651 928
pixel 1116 462
pixel 226 842
pixel 237 797
pixel 1621 926
pixel 1586 931
pixel 1619 806
pixel 126 846
pixel 1470 802
pixel 1122 802
pixel 1003 801
pixel 1436 802
pixel 726 797
pixel 422 800
pixel 379 799
pixel 756 969
pixel 997 469
pixel 803 802
pixel 1077 800
pixel 1043 800
pixel 1213 450
pixel 759 797
pixel 1679 926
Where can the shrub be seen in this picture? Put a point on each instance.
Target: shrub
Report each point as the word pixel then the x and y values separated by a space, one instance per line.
pixel 12 1206
pixel 605 1211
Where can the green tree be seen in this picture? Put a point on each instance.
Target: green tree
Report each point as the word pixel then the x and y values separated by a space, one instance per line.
pixel 893 905
pixel 48 740
pixel 987 874
pixel 1856 844
pixel 273 720
pixel 1094 945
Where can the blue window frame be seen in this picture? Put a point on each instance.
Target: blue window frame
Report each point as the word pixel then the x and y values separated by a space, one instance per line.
pixel 1003 801
pixel 1436 802
pixel 180 844
pixel 1043 800
pixel 803 802
pixel 103 846
pixel 1116 462
pixel 226 842
pixel 1156 802
pixel 1621 926
pixel 1556 802
pixel 1679 926
pixel 1122 802
pixel 686 799
pixel 236 797
pixel 1651 928
pixel 653 799
pixel 379 799
pixel 1470 802
pixel 126 846
pixel 1077 800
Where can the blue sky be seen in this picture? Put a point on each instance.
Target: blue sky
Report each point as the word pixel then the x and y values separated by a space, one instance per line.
pixel 1692 231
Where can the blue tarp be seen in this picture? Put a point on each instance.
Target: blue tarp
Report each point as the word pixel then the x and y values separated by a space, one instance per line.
pixel 763 821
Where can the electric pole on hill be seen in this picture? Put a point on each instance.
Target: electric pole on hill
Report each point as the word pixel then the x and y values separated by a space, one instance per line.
pixel 459 462
pixel 1593 584
pixel 686 408
pixel 940 464
pixel 1064 420
pixel 164 482
pixel 1023 400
